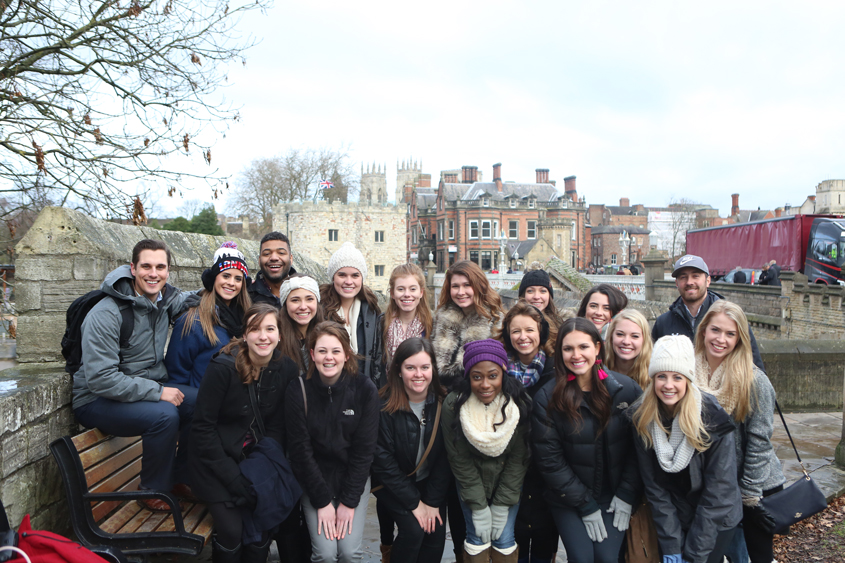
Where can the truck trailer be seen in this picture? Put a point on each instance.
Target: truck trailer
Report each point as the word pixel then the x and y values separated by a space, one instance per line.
pixel 811 244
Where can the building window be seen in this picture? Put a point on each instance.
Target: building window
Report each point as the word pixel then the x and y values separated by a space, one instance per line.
pixel 496 228
pixel 513 203
pixel 485 229
pixel 379 271
pixel 473 229
pixel 332 235
pixel 486 264
pixel 532 229
pixel 440 230
pixel 414 235
pixel 559 241
pixel 613 259
pixel 485 202
pixel 451 230
pixel 379 236
pixel 530 204
pixel 513 229
pixel 473 256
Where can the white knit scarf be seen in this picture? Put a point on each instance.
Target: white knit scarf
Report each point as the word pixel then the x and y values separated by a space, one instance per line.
pixel 674 452
pixel 352 326
pixel 477 421
pixel 713 383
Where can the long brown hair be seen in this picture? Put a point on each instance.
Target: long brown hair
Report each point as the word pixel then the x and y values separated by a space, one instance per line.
pixel 394 390
pixel 290 343
pixel 247 371
pixel 332 328
pixel 567 395
pixel 423 312
pixel 616 300
pixel 206 312
pixel 330 301
pixel 486 301
pixel 525 309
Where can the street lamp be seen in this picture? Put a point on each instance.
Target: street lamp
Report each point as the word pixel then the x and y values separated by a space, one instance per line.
pixel 624 244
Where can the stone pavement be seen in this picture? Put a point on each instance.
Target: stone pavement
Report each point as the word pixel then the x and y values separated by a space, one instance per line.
pixel 815 434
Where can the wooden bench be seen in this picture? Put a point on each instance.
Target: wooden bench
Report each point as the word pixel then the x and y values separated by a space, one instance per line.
pixel 101 477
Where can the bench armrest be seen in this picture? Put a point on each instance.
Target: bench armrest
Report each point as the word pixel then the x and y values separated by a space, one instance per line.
pixel 175 508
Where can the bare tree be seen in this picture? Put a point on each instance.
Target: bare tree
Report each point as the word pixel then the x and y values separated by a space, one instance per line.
pixel 192 207
pixel 682 219
pixel 294 175
pixel 96 95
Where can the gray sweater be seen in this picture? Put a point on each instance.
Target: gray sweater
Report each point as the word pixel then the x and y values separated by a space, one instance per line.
pixel 141 374
pixel 759 468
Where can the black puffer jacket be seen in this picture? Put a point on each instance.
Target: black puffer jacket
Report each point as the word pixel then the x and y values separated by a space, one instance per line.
pixel 260 292
pixel 691 507
pixel 223 416
pixel 331 449
pixel 396 457
pixel 676 321
pixel 572 458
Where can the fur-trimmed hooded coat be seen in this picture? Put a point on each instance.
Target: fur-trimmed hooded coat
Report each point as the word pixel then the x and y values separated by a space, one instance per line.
pixel 452 329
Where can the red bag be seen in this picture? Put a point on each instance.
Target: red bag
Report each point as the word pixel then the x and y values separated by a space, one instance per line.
pixel 47 547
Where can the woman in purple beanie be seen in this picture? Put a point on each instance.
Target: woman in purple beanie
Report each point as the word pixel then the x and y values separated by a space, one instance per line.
pixel 485 424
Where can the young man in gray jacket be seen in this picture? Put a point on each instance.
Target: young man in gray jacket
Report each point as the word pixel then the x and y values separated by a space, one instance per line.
pixel 124 392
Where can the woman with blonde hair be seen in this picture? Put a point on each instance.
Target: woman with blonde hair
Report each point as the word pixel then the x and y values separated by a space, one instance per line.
pixel 686 455
pixel 629 347
pixel 724 367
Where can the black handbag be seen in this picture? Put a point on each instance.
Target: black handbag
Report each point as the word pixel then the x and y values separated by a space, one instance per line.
pixel 800 500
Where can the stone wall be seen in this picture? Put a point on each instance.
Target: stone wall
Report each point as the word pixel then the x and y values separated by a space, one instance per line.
pixel 34 411
pixel 320 228
pixel 811 310
pixel 67 253
pixel 806 374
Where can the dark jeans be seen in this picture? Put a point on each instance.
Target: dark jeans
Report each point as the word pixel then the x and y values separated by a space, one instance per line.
pixel 159 423
pixel 412 544
pixel 755 545
pixel 386 523
pixel 457 525
pixel 579 547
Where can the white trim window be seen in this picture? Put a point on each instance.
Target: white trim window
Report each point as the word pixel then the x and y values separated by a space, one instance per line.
pixel 473 229
pixel 513 228
pixel 485 229
pixel 532 230
pixel 451 229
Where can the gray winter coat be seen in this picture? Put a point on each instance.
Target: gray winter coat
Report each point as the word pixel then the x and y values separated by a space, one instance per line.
pixel 141 374
pixel 759 468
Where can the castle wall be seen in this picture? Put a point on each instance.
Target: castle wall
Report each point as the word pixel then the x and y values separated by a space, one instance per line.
pixel 318 229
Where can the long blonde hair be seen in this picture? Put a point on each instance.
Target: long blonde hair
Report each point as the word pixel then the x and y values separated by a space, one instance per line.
pixel 739 364
pixel 206 312
pixel 639 371
pixel 688 411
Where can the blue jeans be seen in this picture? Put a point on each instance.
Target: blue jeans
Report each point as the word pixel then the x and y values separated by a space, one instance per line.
pixel 737 552
pixel 506 540
pixel 159 423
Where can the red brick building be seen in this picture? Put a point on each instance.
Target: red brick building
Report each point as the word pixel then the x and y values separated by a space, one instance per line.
pixel 607 251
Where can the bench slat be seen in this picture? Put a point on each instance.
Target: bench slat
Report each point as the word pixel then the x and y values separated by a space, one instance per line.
pixel 117 479
pixel 152 522
pixel 105 449
pixel 102 509
pixel 87 439
pixel 205 527
pixel 192 515
pixel 117 520
pixel 105 468
pixel 167 525
pixel 142 516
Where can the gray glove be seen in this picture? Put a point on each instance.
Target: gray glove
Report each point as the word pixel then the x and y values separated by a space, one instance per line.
pixel 500 519
pixel 594 524
pixel 621 513
pixel 482 521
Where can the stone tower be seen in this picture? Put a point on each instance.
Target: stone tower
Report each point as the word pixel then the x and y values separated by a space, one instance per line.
pixel 373 185
pixel 407 172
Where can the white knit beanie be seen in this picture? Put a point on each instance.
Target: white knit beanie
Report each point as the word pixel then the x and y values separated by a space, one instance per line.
pixel 347 256
pixel 673 353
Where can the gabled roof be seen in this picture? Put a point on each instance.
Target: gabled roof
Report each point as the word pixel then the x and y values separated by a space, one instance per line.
pixel 523 247
pixel 617 230
pixel 627 210
pixel 474 191
pixel 746 215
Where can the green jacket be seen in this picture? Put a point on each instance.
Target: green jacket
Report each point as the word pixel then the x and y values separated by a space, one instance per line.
pixel 482 478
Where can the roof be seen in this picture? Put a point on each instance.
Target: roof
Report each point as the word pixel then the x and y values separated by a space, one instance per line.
pixel 474 191
pixel 618 229
pixel 629 210
pixel 426 198
pixel 746 215
pixel 523 247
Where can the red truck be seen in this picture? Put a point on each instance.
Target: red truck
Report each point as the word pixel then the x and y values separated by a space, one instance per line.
pixel 811 244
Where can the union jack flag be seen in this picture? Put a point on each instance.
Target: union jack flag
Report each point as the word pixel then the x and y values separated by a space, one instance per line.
pixel 326 184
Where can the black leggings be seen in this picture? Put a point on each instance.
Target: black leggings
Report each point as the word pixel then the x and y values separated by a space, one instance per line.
pixel 412 544
pixel 757 540
pixel 386 523
pixel 457 524
pixel 228 525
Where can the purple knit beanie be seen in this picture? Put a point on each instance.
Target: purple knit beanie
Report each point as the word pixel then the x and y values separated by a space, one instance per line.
pixel 484 350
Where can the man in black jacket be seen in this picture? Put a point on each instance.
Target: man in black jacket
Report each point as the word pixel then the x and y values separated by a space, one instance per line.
pixel 274 262
pixel 692 278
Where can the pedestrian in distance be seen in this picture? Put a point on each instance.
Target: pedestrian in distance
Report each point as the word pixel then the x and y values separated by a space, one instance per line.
pixel 582 446
pixel 485 424
pixel 201 332
pixel 274 265
pixel 226 429
pixel 410 462
pixel 529 343
pixel 346 300
pixel 724 367
pixel 686 454
pixel 300 313
pixel 332 426
pixel 601 303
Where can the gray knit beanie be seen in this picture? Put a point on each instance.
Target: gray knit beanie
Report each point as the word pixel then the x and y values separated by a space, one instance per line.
pixel 347 256
pixel 673 353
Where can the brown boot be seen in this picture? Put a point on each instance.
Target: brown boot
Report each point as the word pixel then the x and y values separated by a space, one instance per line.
pixel 385 553
pixel 459 555
pixel 499 557
pixel 483 557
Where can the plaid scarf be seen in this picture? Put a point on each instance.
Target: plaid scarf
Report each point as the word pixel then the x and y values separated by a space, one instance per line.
pixel 530 374
pixel 396 336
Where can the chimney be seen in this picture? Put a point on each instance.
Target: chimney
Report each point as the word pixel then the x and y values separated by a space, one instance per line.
pixel 470 174
pixel 569 188
pixel 497 175
pixel 624 202
pixel 542 175
pixel 778 212
pixel 450 178
pixel 812 198
pixel 734 204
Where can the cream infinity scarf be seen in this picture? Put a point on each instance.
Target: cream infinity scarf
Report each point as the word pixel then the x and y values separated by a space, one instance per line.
pixel 477 421
pixel 713 382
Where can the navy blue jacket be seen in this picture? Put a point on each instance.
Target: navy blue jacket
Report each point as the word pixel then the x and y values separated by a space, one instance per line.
pixel 188 356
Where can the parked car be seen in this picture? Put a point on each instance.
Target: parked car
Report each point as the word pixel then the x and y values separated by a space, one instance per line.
pixel 750 274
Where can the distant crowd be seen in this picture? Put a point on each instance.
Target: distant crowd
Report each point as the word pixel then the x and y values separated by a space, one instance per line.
pixel 283 404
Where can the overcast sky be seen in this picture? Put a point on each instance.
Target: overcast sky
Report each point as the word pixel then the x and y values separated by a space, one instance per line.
pixel 649 100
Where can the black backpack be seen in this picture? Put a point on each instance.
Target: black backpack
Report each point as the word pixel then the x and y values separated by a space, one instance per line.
pixel 76 313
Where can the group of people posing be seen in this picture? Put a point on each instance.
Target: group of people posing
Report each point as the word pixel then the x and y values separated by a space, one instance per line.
pixel 517 427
